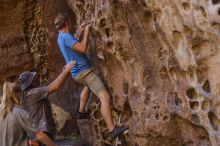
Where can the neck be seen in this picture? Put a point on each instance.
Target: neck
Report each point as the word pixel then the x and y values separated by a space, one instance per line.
pixel 64 30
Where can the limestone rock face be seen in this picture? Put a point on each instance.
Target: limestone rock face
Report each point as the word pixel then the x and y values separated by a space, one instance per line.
pixel 159 60
pixel 60 116
pixel 28 42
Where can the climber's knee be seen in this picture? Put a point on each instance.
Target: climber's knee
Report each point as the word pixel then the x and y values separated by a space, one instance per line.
pixel 104 96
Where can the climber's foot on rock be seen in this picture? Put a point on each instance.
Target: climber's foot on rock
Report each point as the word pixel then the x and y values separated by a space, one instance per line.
pixel 118 131
pixel 83 115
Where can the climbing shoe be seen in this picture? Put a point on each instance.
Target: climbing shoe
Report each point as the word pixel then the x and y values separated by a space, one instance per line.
pixel 118 131
pixel 83 115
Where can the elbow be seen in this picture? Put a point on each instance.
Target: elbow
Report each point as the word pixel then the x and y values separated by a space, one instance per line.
pixel 82 48
pixel 83 51
pixel 53 88
pixel 56 88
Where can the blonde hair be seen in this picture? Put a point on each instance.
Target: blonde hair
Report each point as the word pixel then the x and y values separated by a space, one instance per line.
pixel 9 98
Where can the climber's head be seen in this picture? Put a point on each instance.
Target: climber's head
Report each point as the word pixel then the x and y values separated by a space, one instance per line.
pixel 62 22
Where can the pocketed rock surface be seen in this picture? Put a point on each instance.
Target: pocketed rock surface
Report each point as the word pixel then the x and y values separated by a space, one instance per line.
pixel 159 59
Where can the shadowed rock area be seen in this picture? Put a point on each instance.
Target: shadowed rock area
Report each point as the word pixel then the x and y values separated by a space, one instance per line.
pixel 69 142
pixel 159 59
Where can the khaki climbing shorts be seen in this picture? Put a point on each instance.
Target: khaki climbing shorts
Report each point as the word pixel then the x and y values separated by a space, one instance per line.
pixel 91 80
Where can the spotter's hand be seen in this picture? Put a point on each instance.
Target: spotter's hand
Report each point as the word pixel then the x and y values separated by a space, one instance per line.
pixel 69 66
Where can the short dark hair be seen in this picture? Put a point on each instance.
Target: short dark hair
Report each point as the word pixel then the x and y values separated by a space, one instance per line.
pixel 60 20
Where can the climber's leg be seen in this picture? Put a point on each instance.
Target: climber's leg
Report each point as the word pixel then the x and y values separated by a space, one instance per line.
pixel 106 108
pixel 91 80
pixel 97 87
pixel 84 99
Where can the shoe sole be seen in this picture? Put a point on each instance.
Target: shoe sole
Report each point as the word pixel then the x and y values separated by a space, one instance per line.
pixel 125 132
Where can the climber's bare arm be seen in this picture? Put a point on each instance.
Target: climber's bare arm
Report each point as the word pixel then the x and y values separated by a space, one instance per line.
pixel 81 30
pixel 81 46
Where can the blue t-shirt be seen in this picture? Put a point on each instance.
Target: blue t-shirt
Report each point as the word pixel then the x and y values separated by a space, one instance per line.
pixel 66 42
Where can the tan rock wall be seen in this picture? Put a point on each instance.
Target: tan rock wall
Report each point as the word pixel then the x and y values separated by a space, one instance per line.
pixel 160 62
pixel 28 42
pixel 158 58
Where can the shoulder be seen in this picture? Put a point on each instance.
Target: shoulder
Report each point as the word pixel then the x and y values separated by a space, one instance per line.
pixel 68 36
pixel 38 91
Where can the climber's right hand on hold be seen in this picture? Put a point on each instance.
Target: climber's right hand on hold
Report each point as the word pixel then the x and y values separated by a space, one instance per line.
pixel 69 66
pixel 82 26
pixel 88 25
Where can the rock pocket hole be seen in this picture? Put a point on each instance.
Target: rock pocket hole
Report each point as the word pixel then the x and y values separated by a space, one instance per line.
pixel 99 137
pixel 96 127
pixel 157 116
pixel 203 12
pixel 109 43
pixel 215 122
pixel 107 32
pixel 218 11
pixel 146 99
pixel 163 71
pixel 177 38
pixel 165 118
pixel 206 86
pixel 201 76
pixel 97 114
pixel 125 87
pixel 102 22
pixel 205 105
pixel 195 119
pixel 127 109
pixel 177 100
pixel 148 14
pixel 186 6
pixel 102 123
pixel 194 105
pixel 216 25
pixel 191 93
pixel 135 94
pixel 214 2
pixel 87 6
pixel 99 13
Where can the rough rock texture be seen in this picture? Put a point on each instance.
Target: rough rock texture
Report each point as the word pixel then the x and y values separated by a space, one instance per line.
pixel 60 116
pixel 158 58
pixel 27 42
pixel 87 131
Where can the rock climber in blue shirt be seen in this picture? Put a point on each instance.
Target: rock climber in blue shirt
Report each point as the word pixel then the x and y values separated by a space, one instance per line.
pixel 73 49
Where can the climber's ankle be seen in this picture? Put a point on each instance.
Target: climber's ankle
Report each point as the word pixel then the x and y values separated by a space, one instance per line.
pixel 82 110
pixel 111 129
